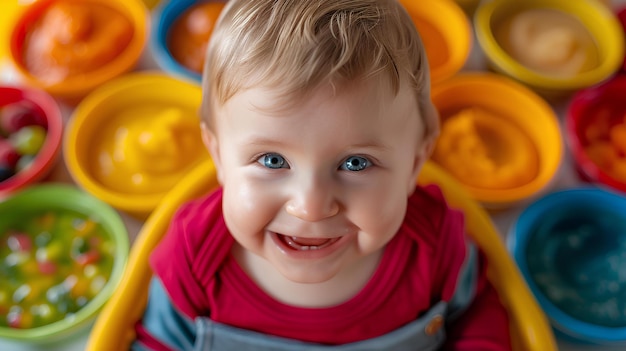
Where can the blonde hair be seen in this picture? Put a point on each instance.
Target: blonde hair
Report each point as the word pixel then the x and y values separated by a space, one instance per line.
pixel 295 45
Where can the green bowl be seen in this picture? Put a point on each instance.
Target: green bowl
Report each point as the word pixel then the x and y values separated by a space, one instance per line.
pixel 64 197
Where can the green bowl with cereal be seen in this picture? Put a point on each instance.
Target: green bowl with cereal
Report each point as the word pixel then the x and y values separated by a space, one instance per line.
pixel 62 254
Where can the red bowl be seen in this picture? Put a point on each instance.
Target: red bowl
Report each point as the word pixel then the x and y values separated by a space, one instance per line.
pixel 49 152
pixel 621 16
pixel 599 107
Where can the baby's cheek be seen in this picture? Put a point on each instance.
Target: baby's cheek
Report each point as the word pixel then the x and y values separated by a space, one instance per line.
pixel 247 210
pixel 379 221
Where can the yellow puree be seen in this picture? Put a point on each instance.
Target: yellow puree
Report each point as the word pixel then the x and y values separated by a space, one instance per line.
pixel 147 149
pixel 548 41
pixel 483 150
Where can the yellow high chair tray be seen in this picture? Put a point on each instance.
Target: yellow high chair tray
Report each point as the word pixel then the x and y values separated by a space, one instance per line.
pixel 114 328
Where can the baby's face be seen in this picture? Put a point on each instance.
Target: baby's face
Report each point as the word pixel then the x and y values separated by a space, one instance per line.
pixel 317 187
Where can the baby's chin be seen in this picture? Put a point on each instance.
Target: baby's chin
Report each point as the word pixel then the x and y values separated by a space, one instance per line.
pixel 312 275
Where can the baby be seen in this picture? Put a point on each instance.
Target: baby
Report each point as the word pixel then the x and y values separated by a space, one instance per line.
pixel 318 118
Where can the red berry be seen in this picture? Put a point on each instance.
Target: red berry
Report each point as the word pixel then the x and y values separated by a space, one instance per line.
pixel 18 241
pixel 88 257
pixel 14 319
pixel 17 115
pixel 8 155
pixel 47 267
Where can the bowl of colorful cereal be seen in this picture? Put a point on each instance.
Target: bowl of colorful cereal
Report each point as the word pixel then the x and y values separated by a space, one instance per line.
pixel 132 139
pixel 498 138
pixel 70 47
pixel 596 133
pixel 62 254
pixel 553 46
pixel 31 129
pixel 446 33
pixel 570 246
pixel 180 35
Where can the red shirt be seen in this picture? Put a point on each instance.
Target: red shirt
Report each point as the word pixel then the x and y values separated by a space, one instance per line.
pixel 420 266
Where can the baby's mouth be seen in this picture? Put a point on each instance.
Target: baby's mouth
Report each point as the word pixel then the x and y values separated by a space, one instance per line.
pixel 305 244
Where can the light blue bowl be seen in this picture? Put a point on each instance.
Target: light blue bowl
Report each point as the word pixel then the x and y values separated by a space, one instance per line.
pixel 163 17
pixel 570 246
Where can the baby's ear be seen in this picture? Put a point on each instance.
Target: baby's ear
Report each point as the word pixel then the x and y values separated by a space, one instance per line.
pixel 210 142
pixel 422 154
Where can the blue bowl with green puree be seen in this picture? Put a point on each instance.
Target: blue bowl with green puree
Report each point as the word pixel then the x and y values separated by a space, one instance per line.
pixel 570 246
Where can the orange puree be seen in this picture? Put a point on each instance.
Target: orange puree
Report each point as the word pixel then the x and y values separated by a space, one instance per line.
pixel 190 34
pixel 72 38
pixel 147 149
pixel 434 43
pixel 483 150
pixel 548 41
pixel 606 145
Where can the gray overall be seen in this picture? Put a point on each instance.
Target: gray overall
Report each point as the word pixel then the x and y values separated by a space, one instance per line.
pixel 424 334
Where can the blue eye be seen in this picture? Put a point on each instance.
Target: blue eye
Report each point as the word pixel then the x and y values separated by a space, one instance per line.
pixel 273 161
pixel 355 163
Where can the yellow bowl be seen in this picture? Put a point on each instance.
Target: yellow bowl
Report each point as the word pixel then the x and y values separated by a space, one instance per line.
pixel 469 6
pixel 597 19
pixel 446 33
pixel 519 146
pixel 75 86
pixel 131 140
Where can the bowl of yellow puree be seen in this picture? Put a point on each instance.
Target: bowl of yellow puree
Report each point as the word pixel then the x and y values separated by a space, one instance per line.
pixel 555 47
pixel 498 138
pixel 131 140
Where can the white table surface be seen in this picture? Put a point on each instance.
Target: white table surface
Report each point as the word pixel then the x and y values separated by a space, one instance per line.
pixel 566 178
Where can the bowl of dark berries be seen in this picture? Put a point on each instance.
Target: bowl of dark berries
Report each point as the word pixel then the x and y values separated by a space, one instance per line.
pixel 31 128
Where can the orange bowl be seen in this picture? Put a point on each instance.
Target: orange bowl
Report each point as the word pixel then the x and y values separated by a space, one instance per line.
pixel 74 85
pixel 498 138
pixel 446 33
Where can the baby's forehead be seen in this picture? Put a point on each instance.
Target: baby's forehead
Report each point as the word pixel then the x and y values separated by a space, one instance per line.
pixel 274 100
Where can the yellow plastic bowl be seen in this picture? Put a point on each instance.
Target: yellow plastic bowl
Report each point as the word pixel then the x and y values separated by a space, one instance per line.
pixel 469 6
pixel 75 87
pixel 446 33
pixel 530 330
pixel 595 17
pixel 106 111
pixel 522 108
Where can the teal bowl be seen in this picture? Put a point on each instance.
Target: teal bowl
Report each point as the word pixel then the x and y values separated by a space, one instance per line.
pixel 35 226
pixel 570 246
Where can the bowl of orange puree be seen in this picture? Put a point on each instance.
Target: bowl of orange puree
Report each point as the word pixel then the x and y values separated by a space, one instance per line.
pixel 446 33
pixel 132 139
pixel 70 47
pixel 555 47
pixel 498 138
pixel 180 35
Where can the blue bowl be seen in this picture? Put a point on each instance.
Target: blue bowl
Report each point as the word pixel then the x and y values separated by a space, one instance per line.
pixel 570 246
pixel 164 16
